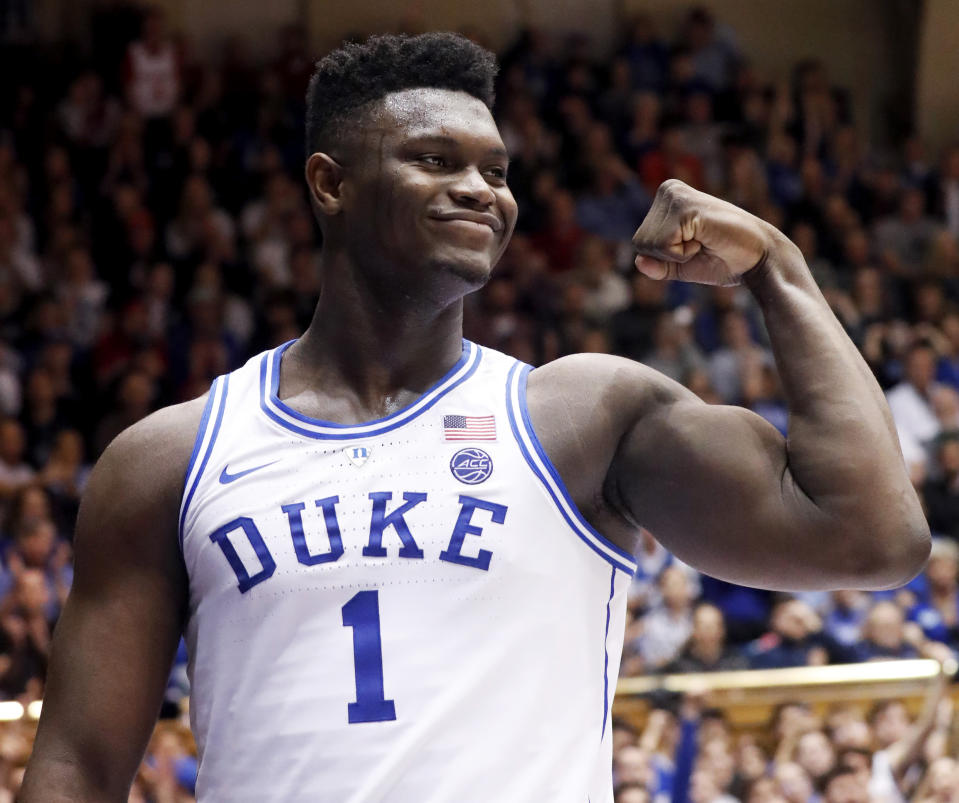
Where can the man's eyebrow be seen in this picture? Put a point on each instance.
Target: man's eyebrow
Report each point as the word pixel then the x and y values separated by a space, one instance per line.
pixel 443 139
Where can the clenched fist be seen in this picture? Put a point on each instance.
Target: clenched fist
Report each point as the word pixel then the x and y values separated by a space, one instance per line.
pixel 694 237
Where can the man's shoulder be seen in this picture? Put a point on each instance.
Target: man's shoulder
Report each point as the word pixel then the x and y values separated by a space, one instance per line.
pixel 596 372
pixel 132 499
pixel 623 388
pixel 156 450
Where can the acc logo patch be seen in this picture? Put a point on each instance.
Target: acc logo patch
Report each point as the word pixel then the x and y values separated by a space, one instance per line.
pixel 471 466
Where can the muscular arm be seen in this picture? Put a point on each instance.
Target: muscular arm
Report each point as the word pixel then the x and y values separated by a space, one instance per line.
pixel 115 641
pixel 830 506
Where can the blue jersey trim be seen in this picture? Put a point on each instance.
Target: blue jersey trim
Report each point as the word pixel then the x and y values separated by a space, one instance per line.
pixel 280 413
pixel 201 431
pixel 223 381
pixel 612 591
pixel 593 539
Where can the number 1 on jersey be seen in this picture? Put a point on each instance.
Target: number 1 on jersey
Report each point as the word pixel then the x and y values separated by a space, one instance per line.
pixel 362 613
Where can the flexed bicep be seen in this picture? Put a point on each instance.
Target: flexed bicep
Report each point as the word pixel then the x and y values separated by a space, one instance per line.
pixel 713 484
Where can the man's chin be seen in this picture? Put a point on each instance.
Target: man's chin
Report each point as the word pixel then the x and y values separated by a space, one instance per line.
pixel 474 272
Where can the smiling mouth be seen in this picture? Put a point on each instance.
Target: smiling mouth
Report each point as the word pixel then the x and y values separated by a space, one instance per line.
pixel 466 225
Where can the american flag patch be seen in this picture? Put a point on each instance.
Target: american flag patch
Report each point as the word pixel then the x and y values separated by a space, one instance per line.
pixel 469 427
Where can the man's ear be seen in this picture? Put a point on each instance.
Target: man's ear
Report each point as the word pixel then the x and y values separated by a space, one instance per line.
pixel 324 177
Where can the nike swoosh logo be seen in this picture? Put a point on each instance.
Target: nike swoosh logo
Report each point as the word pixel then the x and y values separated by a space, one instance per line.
pixel 226 477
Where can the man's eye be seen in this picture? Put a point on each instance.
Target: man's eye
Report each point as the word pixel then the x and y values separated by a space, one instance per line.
pixel 497 172
pixel 433 159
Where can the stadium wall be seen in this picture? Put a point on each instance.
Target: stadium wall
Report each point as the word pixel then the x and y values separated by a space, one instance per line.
pixel 937 101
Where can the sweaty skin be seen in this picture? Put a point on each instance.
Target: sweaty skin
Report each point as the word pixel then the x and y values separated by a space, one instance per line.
pixel 415 212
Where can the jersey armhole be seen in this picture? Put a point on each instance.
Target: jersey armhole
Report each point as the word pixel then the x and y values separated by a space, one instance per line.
pixel 203 446
pixel 535 455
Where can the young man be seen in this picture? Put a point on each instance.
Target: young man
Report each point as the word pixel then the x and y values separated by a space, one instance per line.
pixel 401 560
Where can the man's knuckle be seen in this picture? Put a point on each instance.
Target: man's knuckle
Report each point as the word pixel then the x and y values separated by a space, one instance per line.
pixel 671 188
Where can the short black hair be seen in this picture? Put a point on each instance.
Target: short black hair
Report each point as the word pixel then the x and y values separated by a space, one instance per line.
pixel 349 78
pixel 829 777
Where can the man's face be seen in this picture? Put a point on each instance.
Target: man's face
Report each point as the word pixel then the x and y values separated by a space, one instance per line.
pixel 674 587
pixel 708 627
pixel 847 789
pixel 884 625
pixel 424 189
pixel 891 724
pixel 814 754
pixel 921 367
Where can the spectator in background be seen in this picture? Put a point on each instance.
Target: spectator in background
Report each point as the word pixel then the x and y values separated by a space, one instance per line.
pixel 816 755
pixel 844 785
pixel 631 793
pixel 614 202
pixel 642 136
pixel 26 631
pixel 82 296
pixel 134 401
pixel 903 239
pixel 762 393
pixel 785 183
pixel 562 236
pixel 669 159
pixel 607 292
pixel 739 355
pixel 168 773
pixel 201 230
pixel 15 473
pixel 900 742
pixel 945 190
pixel 665 629
pixel 645 53
pixel 64 476
pixel 631 765
pixel 632 328
pixel 793 782
pixel 44 415
pixel 845 617
pixel 152 70
pixel 939 615
pixel 706 650
pixel 941 783
pixel 37 547
pixel 10 388
pixel 19 267
pixel 795 638
pixel 712 48
pixel 674 353
pixel 886 634
pixel 911 404
pixel 703 137
pixel 88 116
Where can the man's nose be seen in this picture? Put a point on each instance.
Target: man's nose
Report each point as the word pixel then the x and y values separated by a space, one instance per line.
pixel 470 187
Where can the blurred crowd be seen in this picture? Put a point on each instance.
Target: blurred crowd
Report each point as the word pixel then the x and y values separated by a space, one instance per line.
pixel 155 232
pixel 688 753
pixel 682 621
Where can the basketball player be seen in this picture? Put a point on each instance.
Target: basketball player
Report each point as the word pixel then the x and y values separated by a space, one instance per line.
pixel 401 559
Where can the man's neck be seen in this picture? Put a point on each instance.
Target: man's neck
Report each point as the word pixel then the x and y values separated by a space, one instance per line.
pixel 708 653
pixel 379 346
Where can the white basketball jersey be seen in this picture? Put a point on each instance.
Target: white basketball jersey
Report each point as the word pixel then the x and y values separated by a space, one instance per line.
pixel 406 610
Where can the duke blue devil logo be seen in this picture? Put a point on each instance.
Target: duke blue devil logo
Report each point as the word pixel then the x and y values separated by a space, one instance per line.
pixel 471 466
pixel 358 455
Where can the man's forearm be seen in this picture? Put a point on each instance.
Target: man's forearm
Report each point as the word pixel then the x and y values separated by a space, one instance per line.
pixel 62 781
pixel 842 451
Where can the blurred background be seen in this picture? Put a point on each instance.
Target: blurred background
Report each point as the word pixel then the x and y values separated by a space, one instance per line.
pixel 155 232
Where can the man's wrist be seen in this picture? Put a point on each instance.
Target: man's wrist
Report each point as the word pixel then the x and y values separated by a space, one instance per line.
pixel 782 263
